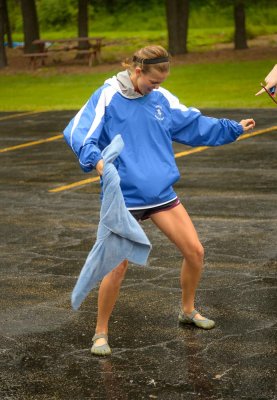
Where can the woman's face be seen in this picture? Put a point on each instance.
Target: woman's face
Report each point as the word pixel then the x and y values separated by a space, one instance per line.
pixel 144 83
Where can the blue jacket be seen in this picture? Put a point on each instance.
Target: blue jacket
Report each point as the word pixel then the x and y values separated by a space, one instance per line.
pixel 148 125
pixel 119 235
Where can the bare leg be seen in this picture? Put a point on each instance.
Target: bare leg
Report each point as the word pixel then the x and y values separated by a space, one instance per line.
pixel 107 296
pixel 178 227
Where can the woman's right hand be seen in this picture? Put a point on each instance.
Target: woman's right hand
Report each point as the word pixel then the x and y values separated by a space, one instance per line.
pixel 99 167
pixel 247 124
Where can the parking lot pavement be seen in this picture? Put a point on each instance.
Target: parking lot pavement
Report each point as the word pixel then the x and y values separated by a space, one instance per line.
pixel 230 193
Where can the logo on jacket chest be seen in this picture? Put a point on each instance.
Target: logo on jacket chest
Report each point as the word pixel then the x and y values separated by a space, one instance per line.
pixel 159 114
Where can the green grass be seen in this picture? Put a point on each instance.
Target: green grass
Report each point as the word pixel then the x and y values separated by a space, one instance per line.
pixel 135 24
pixel 198 38
pixel 231 84
pixel 58 92
pixel 54 17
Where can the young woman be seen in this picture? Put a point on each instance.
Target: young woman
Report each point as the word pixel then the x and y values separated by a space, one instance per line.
pixel 148 118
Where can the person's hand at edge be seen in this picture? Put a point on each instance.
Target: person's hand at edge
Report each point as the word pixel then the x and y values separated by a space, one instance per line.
pixel 247 124
pixel 99 167
pixel 271 81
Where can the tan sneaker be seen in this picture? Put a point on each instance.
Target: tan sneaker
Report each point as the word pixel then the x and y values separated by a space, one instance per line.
pixel 102 350
pixel 190 319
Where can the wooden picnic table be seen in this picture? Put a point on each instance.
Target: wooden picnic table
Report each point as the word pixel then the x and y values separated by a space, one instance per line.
pixel 51 46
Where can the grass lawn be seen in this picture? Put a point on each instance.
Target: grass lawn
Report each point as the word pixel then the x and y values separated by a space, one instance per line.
pixel 222 85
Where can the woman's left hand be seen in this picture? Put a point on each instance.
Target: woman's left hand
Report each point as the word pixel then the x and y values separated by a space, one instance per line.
pixel 247 124
pixel 99 167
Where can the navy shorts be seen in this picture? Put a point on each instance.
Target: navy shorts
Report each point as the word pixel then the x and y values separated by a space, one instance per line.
pixel 142 214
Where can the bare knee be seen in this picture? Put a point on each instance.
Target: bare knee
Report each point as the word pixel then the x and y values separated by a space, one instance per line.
pixel 199 251
pixel 117 274
pixel 195 255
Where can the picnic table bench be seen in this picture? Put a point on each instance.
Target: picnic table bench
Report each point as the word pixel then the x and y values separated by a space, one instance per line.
pixel 52 47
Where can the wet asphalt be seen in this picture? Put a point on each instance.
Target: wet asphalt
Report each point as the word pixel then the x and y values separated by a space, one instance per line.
pixel 230 193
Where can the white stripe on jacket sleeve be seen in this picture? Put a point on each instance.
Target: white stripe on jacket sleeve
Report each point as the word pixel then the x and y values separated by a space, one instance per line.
pixel 75 123
pixel 174 101
pixel 104 100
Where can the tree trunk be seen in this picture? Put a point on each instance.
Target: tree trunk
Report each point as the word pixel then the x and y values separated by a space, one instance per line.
pixel 7 25
pixel 30 25
pixel 177 13
pixel 240 39
pixel 83 23
pixel 3 57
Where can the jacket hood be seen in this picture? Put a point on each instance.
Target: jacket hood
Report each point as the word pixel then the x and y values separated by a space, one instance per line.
pixel 123 84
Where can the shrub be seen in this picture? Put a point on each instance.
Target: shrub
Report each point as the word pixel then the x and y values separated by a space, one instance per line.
pixel 56 13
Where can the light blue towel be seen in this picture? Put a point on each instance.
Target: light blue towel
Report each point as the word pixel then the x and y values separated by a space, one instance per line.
pixel 119 235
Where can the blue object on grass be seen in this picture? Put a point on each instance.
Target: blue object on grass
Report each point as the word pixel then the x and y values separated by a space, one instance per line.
pixel 15 44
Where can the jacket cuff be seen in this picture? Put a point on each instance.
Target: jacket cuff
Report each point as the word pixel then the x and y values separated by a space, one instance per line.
pixel 240 129
pixel 97 159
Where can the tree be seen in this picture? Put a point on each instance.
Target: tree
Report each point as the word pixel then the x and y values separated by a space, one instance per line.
pixel 3 57
pixel 30 25
pixel 83 23
pixel 239 13
pixel 7 27
pixel 240 36
pixel 177 14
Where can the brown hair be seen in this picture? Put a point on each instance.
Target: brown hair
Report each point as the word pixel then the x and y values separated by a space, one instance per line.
pixel 145 53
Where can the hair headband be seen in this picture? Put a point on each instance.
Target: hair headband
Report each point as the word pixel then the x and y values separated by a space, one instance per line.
pixel 156 60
